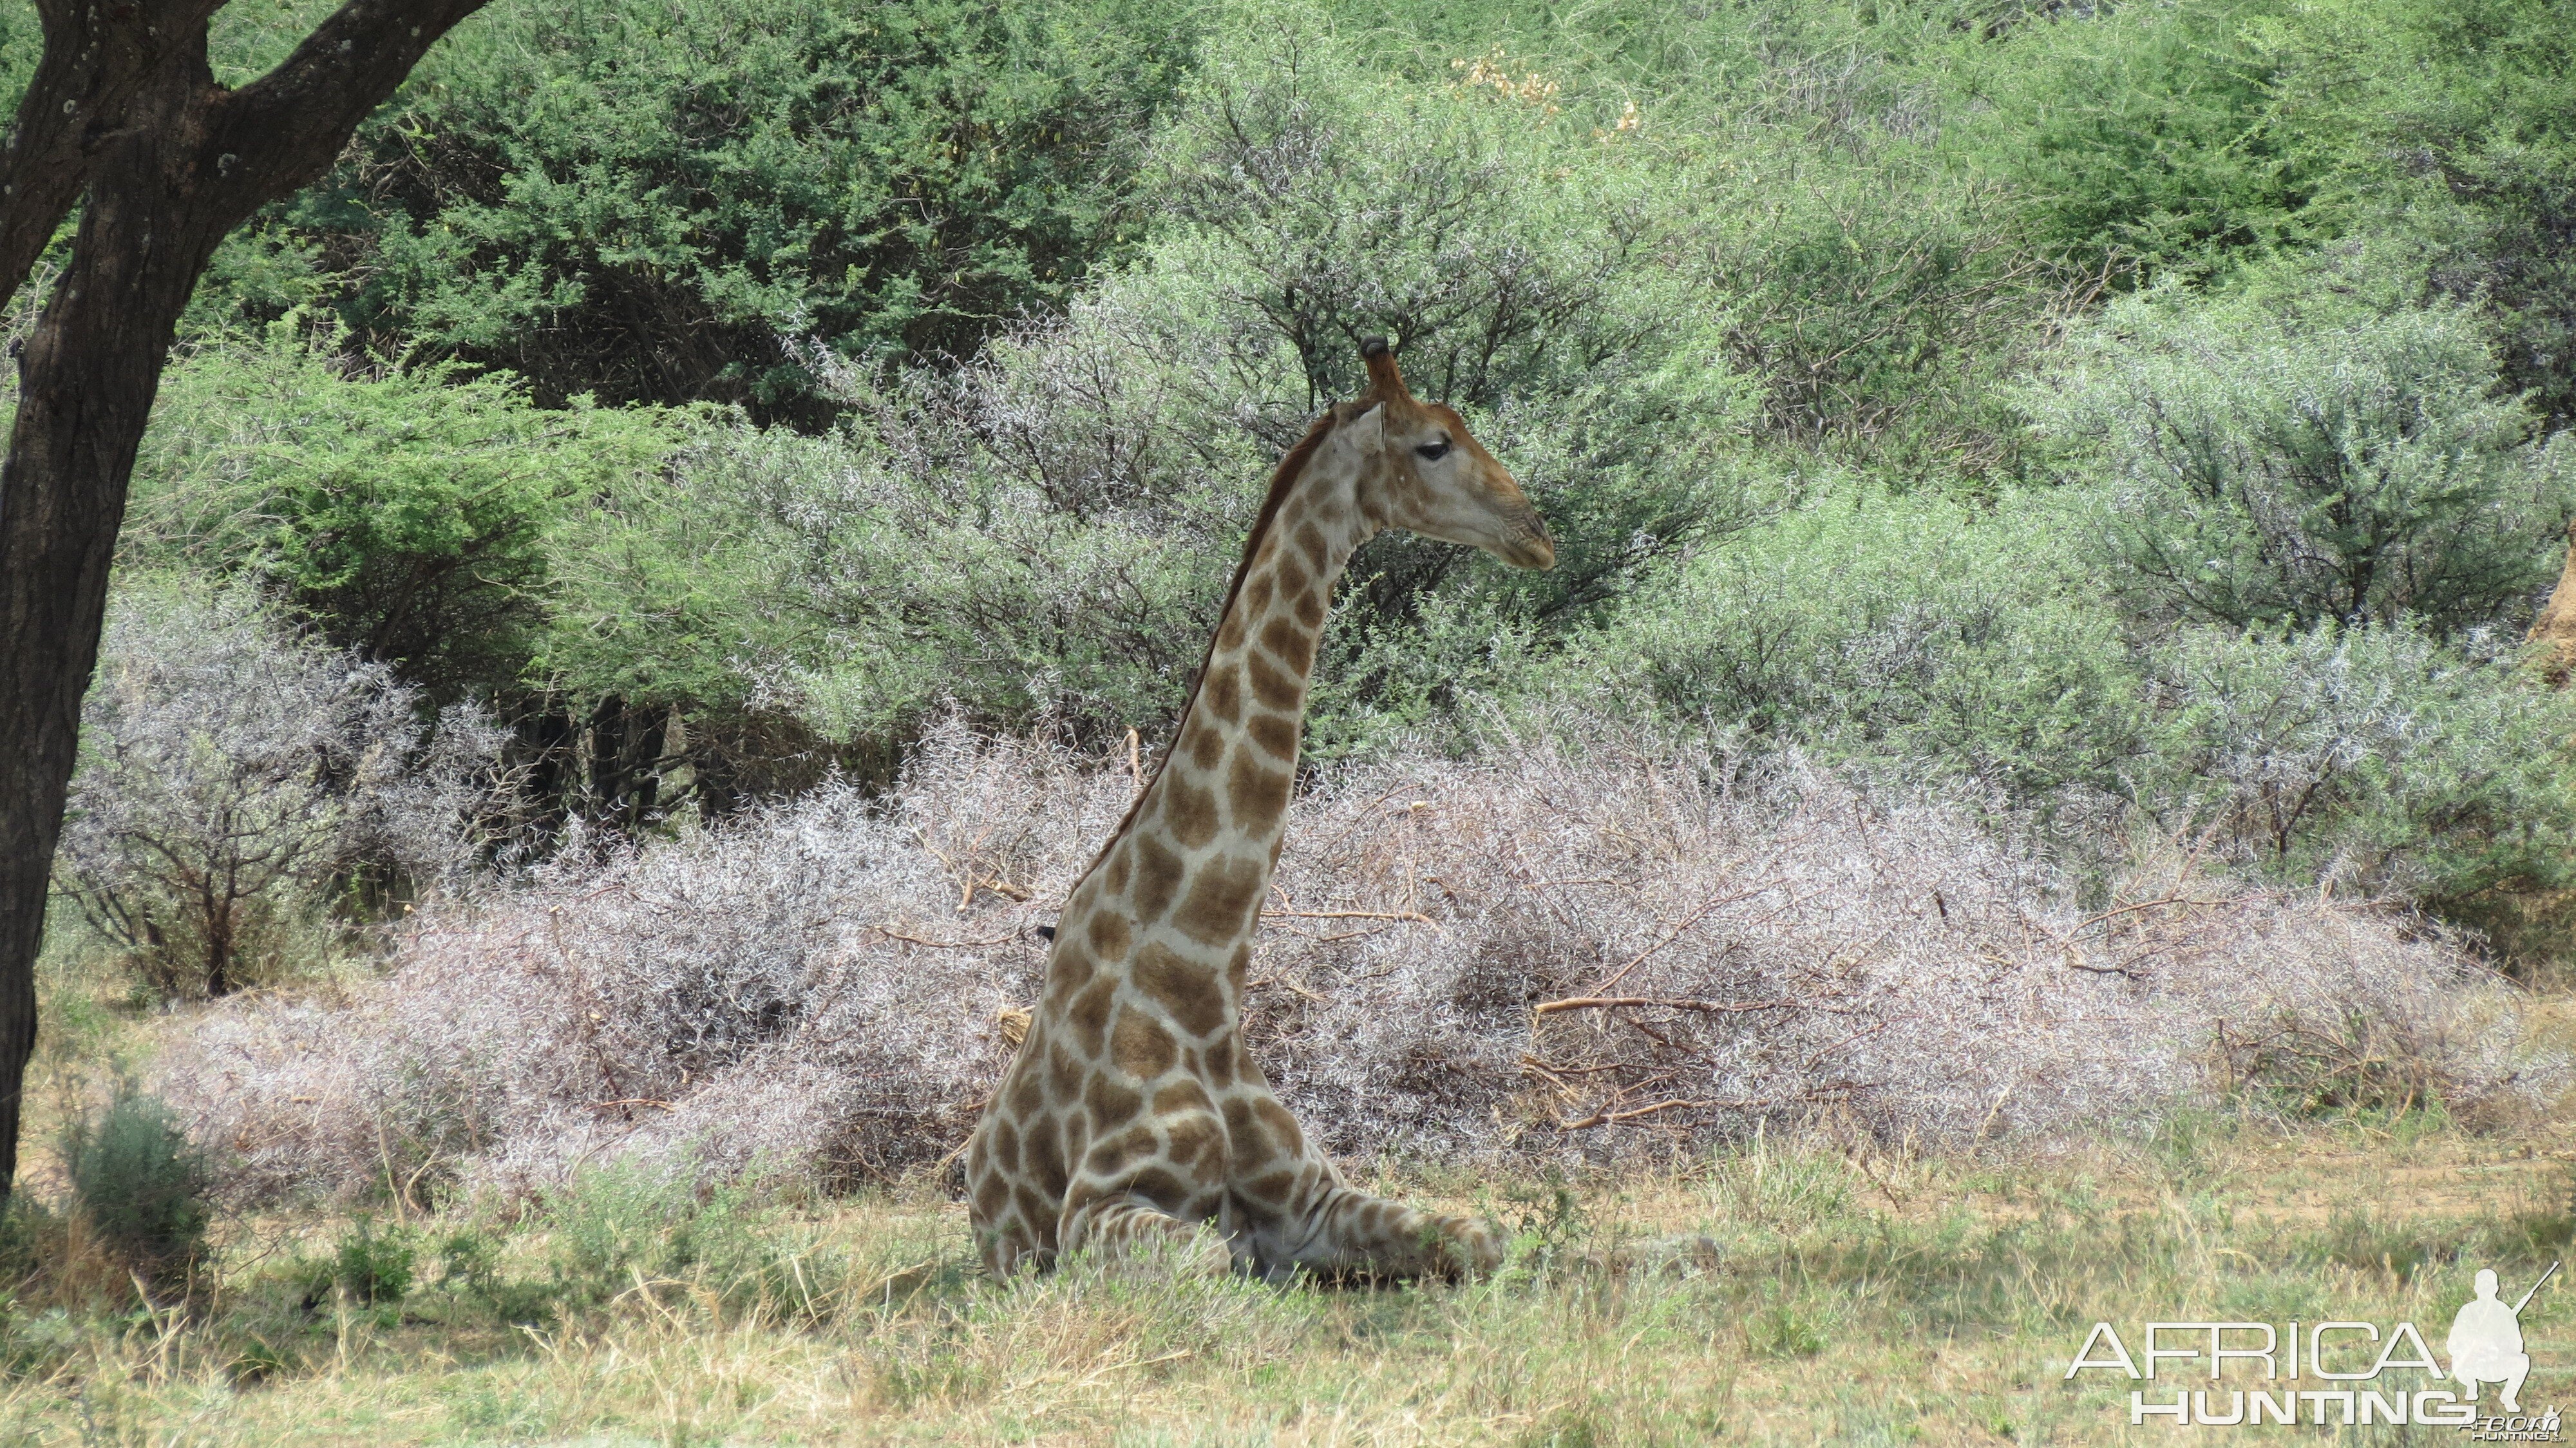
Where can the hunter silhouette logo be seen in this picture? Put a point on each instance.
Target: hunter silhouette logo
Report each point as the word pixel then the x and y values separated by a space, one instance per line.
pixel 2486 1341
pixel 2332 1373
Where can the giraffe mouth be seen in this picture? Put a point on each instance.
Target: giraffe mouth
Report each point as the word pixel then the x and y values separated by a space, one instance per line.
pixel 1528 546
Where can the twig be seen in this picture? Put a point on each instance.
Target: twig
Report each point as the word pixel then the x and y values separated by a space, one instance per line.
pixel 2143 905
pixel 1603 1003
pixel 1611 1118
pixel 1862 1162
pixel 893 934
pixel 1290 983
pixel 1674 934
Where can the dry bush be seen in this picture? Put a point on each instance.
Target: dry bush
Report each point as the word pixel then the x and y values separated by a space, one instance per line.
pixel 814 989
pixel 234 771
pixel 1548 950
pixel 1614 946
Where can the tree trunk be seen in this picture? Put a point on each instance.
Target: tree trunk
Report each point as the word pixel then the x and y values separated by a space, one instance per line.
pixel 167 162
pixel 86 382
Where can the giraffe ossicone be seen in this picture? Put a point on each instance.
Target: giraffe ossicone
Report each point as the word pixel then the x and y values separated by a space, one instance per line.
pixel 1131 1113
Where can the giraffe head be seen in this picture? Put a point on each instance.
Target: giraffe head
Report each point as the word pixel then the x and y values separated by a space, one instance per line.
pixel 1420 470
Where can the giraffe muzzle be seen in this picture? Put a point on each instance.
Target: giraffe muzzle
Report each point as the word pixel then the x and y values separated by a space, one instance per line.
pixel 1529 545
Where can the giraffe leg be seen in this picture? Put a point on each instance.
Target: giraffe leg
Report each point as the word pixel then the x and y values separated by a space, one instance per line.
pixel 1003 1235
pixel 1301 1216
pixel 1306 1218
pixel 1345 1232
pixel 1127 1226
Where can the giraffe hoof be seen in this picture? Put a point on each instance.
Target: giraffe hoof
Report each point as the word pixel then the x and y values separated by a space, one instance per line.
pixel 1467 1248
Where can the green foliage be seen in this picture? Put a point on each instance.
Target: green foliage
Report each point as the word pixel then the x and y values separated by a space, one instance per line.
pixel 2343 465
pixel 814 574
pixel 2370 755
pixel 1483 231
pixel 1045 291
pixel 1047 532
pixel 1913 627
pixel 2135 134
pixel 1878 304
pixel 620 1228
pixel 406 513
pixel 644 201
pixel 1939 639
pixel 374 1267
pixel 1525 264
pixel 140 1184
pixel 470 1266
pixel 2450 124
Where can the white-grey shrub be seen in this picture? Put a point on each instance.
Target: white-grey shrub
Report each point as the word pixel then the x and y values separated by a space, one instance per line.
pixel 2366 758
pixel 231 768
pixel 824 989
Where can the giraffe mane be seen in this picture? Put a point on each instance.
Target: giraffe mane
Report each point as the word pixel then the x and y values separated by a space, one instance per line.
pixel 1292 466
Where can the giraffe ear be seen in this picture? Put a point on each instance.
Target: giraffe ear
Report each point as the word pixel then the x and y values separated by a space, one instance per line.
pixel 1366 432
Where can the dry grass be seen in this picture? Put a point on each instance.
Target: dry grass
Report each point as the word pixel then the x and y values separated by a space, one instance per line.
pixel 1853 1300
pixel 1558 952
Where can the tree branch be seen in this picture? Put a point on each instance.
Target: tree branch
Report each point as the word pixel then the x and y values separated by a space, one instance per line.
pixel 286 128
pixel 95 59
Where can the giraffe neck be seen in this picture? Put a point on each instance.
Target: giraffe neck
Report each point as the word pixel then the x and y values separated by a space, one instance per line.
pixel 1183 884
pixel 1237 742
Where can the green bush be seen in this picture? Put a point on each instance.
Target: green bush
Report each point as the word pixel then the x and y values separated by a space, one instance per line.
pixel 2134 135
pixel 375 1267
pixel 470 1266
pixel 2371 756
pixel 1046 533
pixel 616 1226
pixel 2347 464
pixel 141 1185
pixel 645 201
pixel 818 576
pixel 405 513
pixel 2448 126
pixel 1965 637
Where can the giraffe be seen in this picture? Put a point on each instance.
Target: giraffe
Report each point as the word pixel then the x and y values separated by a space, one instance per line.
pixel 1132 1113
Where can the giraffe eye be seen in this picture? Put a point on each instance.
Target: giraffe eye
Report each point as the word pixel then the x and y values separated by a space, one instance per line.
pixel 1432 452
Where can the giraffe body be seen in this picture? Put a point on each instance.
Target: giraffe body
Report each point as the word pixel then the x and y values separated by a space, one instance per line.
pixel 1132 1112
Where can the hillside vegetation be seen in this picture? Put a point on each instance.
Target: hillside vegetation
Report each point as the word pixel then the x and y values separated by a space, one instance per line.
pixel 645 586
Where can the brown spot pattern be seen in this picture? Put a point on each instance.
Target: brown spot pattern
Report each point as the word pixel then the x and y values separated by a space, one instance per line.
pixel 1312 542
pixel 1184 989
pixel 1257 795
pixel 1090 1014
pixel 1275 733
pixel 1139 1045
pixel 1108 936
pixel 1288 639
pixel 1219 897
pixel 1158 878
pixel 1274 687
pixel 1189 811
pixel 1110 1104
pixel 1222 690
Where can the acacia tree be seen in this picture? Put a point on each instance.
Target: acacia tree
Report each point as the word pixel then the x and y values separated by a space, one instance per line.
pixel 124 120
